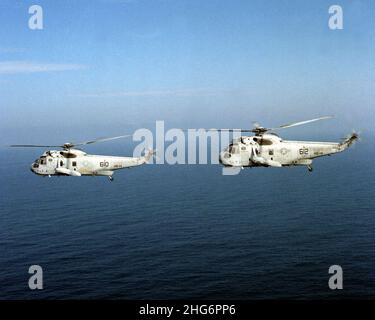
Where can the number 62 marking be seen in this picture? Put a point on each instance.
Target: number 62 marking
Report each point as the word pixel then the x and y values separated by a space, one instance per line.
pixel 303 151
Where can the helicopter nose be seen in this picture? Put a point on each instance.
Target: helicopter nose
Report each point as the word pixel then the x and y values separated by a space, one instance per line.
pixel 32 168
pixel 223 158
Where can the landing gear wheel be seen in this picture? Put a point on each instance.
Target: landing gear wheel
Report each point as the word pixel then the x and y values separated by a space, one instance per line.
pixel 310 168
pixel 110 178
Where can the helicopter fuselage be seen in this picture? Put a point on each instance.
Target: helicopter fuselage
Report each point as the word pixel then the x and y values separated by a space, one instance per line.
pixel 75 162
pixel 270 150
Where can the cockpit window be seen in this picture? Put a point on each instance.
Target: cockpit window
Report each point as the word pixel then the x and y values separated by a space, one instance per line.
pixel 68 154
pixel 265 142
pixel 233 149
pixel 43 160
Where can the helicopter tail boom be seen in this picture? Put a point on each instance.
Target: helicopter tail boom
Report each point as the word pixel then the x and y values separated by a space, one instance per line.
pixel 146 158
pixel 353 137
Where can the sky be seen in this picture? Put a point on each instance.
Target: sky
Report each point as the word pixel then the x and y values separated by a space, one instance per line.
pixel 103 67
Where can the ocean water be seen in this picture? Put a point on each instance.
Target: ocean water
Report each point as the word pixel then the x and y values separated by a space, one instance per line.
pixel 186 231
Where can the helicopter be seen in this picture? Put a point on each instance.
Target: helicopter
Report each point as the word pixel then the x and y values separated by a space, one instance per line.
pixel 267 149
pixel 74 162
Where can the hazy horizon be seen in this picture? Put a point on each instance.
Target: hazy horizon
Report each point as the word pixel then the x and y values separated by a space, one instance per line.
pixel 106 67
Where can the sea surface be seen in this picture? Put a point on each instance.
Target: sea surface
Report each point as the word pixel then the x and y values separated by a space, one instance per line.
pixel 187 231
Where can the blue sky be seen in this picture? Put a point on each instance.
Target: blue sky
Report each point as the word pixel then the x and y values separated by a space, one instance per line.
pixel 107 67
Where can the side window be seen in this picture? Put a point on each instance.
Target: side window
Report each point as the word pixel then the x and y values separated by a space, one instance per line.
pixel 74 163
pixel 265 142
pixel 61 163
pixel 270 152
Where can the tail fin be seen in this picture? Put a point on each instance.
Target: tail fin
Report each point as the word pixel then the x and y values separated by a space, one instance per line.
pixel 349 140
pixel 149 155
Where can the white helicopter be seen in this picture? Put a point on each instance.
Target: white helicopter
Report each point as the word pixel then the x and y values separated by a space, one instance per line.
pixel 266 149
pixel 75 162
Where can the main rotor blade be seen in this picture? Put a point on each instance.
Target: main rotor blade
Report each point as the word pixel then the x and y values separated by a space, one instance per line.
pixel 229 130
pixel 294 124
pixel 101 140
pixel 69 145
pixel 32 146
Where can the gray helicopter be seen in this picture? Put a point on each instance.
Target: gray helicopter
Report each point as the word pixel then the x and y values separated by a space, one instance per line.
pixel 74 162
pixel 267 149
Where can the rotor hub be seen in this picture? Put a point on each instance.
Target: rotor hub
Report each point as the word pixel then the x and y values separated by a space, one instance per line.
pixel 68 145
